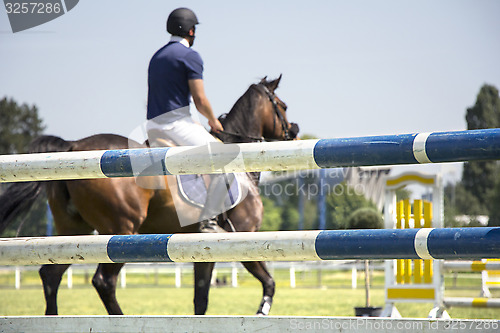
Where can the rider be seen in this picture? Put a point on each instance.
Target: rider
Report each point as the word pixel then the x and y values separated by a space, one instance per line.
pixel 175 74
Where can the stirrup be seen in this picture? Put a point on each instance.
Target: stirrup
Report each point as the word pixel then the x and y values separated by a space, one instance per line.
pixel 210 226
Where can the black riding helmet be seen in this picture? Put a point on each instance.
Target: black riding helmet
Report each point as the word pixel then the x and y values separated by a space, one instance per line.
pixel 180 21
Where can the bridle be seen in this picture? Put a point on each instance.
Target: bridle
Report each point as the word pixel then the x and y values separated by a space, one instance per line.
pixel 283 122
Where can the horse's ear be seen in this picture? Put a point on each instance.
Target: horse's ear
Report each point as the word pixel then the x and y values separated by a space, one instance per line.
pixel 273 85
pixel 263 80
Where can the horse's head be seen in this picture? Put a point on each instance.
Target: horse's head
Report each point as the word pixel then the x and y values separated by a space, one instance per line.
pixel 258 115
pixel 275 124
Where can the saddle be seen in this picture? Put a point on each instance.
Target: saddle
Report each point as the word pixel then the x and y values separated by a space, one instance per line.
pixel 193 189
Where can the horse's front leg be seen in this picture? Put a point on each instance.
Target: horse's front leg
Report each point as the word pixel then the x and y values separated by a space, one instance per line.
pixel 202 278
pixel 259 270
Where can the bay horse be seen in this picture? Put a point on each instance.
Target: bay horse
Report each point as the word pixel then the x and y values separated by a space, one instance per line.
pixel 120 206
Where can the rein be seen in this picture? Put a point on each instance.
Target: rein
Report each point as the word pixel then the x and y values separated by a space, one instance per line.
pixel 252 138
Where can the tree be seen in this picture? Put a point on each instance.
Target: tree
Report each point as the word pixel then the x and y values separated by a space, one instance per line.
pixel 271 221
pixel 365 218
pixel 458 201
pixel 281 198
pixel 486 112
pixel 290 217
pixel 479 177
pixel 402 194
pixel 494 209
pixel 19 126
pixel 32 223
pixel 341 203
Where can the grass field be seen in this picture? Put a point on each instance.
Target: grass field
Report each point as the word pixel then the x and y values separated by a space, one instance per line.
pixel 155 295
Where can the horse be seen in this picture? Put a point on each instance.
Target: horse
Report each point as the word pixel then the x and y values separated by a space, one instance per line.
pixel 120 206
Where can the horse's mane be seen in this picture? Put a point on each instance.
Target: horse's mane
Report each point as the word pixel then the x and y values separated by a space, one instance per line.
pixel 241 116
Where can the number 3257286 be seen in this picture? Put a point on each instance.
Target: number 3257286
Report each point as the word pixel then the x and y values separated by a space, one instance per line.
pixel 33 8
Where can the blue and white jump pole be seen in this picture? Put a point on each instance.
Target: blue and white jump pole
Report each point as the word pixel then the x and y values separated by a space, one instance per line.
pixel 437 147
pixel 429 243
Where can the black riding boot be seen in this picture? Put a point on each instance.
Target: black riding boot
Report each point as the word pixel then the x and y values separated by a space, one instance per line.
pixel 216 195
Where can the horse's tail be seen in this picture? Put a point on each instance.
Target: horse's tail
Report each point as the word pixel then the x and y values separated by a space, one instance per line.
pixel 19 197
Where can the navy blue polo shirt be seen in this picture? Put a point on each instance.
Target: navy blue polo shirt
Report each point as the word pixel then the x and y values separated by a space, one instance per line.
pixel 169 70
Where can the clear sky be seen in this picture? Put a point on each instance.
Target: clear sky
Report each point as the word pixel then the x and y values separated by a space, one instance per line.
pixel 350 68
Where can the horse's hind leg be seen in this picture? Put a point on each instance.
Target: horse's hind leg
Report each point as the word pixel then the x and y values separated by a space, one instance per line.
pixel 51 278
pixel 104 282
pixel 67 222
pixel 259 270
pixel 202 278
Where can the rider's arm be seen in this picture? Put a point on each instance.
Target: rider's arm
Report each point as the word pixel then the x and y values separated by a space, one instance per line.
pixel 202 104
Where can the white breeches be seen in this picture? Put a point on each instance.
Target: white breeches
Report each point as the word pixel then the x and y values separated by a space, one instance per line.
pixel 183 132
